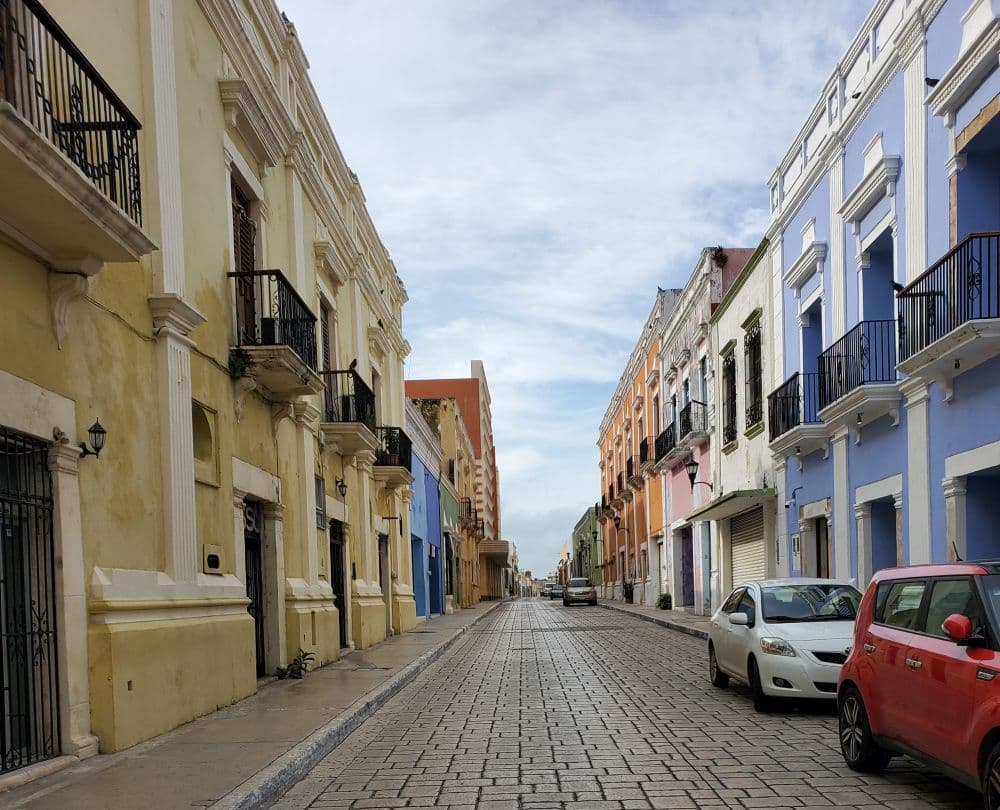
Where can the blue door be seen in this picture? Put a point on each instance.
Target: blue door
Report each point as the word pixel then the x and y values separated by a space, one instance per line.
pixel 687 568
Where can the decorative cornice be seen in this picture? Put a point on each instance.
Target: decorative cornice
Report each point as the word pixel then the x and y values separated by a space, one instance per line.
pixel 978 59
pixel 328 264
pixel 811 261
pixel 878 182
pixel 245 115
pixel 173 314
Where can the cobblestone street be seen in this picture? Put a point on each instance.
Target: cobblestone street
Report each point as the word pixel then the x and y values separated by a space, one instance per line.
pixel 541 706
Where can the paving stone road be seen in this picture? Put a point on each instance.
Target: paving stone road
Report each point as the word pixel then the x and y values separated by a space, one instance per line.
pixel 541 706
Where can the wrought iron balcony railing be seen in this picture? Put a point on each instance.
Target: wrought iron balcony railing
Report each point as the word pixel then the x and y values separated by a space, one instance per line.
pixel 793 403
pixel 269 312
pixel 395 448
pixel 963 286
pixel 643 451
pixel 693 419
pixel 865 355
pixel 347 398
pixel 465 511
pixel 52 85
pixel 666 441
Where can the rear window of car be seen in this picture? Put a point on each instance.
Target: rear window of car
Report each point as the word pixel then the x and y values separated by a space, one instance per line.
pixel 897 603
pixel 579 582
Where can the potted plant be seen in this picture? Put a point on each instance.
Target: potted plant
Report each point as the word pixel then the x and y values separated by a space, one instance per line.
pixel 665 601
pixel 628 590
pixel 392 444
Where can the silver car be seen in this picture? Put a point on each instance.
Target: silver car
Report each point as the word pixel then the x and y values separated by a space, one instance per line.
pixel 579 591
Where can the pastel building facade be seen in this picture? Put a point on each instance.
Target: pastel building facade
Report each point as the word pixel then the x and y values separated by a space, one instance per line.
pixel 207 283
pixel 425 515
pixel 588 549
pixel 884 243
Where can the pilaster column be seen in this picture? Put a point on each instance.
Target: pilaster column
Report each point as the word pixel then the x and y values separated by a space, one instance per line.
pixel 346 605
pixel 363 538
pixel 239 535
pixel 173 319
pixel 71 602
pixel 840 530
pixel 863 516
pixel 918 478
pixel 837 289
pixel 406 548
pixel 274 585
pixel 915 149
pixel 897 502
pixel 782 553
pixel 955 517
pixel 307 419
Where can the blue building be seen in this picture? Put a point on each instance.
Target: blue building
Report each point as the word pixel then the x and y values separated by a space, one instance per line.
pixel 885 268
pixel 425 515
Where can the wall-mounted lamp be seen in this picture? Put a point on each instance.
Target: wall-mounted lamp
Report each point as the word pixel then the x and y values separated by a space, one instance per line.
pixel 798 450
pixel 859 417
pixel 692 471
pixel 341 485
pixel 98 436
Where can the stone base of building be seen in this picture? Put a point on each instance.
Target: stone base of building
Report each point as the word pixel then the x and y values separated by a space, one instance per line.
pixel 149 677
pixel 404 613
pixel 449 604
pixel 367 620
pixel 315 628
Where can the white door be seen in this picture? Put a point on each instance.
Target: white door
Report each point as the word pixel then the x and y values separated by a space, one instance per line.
pixel 747 550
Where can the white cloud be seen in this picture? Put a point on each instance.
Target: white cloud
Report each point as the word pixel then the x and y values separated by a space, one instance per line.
pixel 537 169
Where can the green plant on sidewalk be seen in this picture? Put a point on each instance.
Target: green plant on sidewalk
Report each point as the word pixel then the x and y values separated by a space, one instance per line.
pixel 665 601
pixel 297 667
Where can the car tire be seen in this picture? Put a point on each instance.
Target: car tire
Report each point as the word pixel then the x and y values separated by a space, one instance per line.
pixel 761 700
pixel 593 603
pixel 716 675
pixel 857 745
pixel 991 779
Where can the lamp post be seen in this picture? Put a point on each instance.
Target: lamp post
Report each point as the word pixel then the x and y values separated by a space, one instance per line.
pixel 692 470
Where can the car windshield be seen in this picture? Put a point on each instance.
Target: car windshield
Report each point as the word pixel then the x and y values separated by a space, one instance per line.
pixel 579 582
pixel 813 602
pixel 991 587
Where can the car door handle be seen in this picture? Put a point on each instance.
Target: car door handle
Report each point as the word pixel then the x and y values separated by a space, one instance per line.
pixel 913 663
pixel 868 648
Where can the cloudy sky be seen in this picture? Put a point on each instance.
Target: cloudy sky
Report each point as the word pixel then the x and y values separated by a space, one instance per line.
pixel 536 169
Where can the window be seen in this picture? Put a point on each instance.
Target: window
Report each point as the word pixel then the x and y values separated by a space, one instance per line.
pixel 321 522
pixel 733 600
pixel 703 378
pixel 804 603
pixel 754 375
pixel 899 606
pixel 949 596
pixel 244 232
pixel 686 391
pixel 673 409
pixel 729 398
pixel 656 416
pixel 328 337
pixel 748 606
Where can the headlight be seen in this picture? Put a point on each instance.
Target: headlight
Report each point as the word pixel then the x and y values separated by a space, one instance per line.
pixel 776 646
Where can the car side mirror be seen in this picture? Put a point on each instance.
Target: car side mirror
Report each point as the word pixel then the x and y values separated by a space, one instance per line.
pixel 740 619
pixel 958 627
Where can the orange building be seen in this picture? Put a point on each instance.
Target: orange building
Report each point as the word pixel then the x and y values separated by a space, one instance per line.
pixel 631 492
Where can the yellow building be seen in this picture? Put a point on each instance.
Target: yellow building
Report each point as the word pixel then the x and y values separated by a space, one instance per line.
pixel 187 256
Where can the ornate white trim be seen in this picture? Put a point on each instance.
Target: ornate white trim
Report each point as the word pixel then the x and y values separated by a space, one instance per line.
pixel 880 181
pixel 980 49
pixel 811 261
pixel 245 115
pixel 64 289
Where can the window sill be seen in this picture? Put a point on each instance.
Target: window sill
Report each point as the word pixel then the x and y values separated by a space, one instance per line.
pixel 728 448
pixel 754 430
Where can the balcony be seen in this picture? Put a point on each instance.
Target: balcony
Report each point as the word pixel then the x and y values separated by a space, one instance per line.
pixel 793 416
pixel 394 456
pixel 857 377
pixel 276 332
pixel 348 413
pixel 465 511
pixel 646 459
pixel 949 318
pixel 665 443
pixel 68 147
pixel 619 486
pixel 693 421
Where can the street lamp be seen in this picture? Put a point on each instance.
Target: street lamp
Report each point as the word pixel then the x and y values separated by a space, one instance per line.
pixel 692 471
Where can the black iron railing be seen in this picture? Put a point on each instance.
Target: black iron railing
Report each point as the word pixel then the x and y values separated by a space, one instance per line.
pixel 865 355
pixel 465 510
pixel 963 286
pixel 630 467
pixel 693 419
pixel 619 484
pixel 666 441
pixel 46 78
pixel 795 402
pixel 395 448
pixel 480 528
pixel 643 451
pixel 347 398
pixel 269 312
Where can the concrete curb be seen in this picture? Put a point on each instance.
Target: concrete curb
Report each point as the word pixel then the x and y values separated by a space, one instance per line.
pixel 680 628
pixel 270 783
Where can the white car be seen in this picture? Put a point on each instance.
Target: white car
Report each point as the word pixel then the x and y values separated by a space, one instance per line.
pixel 783 637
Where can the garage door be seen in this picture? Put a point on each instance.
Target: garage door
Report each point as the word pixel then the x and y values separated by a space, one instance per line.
pixel 746 536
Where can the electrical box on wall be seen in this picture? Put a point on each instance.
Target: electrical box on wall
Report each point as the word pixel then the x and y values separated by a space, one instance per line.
pixel 212 560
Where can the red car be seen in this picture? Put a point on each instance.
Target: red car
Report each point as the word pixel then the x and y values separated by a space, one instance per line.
pixel 921 676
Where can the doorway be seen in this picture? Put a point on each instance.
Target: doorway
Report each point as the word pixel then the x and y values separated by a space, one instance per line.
pixel 383 579
pixel 252 524
pixel 29 729
pixel 338 579
pixel 687 567
pixel 821 551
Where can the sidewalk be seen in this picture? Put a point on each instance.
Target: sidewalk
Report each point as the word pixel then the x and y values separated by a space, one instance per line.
pixel 248 754
pixel 678 620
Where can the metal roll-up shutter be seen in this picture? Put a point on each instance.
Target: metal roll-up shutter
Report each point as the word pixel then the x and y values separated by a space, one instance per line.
pixel 746 543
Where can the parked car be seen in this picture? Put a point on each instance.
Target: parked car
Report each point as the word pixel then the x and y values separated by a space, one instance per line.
pixel 921 678
pixel 556 591
pixel 547 589
pixel 783 637
pixel 579 590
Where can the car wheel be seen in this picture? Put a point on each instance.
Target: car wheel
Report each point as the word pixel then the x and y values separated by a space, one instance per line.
pixel 593 603
pixel 991 779
pixel 861 752
pixel 761 701
pixel 716 675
